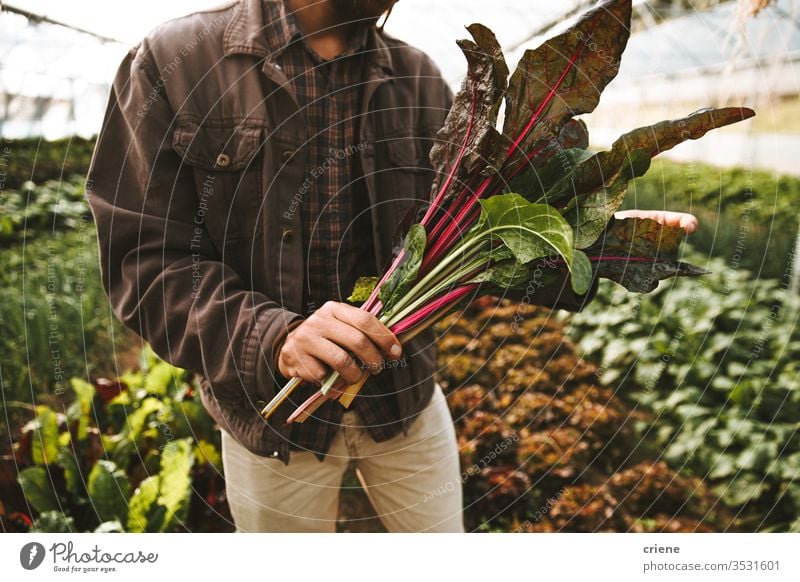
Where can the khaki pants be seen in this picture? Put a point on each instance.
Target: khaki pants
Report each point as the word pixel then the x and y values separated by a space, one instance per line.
pixel 413 480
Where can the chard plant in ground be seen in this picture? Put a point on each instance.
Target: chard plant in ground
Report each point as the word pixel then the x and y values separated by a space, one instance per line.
pixel 530 198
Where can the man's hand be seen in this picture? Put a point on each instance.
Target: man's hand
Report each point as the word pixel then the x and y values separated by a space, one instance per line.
pixel 687 222
pixel 326 340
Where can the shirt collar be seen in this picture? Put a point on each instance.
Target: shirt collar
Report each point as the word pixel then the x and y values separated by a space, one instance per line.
pixel 282 30
pixel 254 21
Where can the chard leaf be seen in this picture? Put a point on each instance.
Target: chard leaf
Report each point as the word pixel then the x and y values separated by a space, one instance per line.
pixel 505 275
pixel 175 481
pixel 530 231
pixel 638 252
pixel 603 167
pixel 362 289
pixel 574 134
pixel 109 491
pixel 469 129
pixel 590 216
pixel 580 272
pixel 565 76
pixel 44 441
pixel 143 515
pixel 404 276
pixel 551 183
pixel 38 488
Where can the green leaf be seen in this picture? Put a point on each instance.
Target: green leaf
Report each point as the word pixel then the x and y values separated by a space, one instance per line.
pixel 580 272
pixel 84 394
pixel 590 216
pixel 551 183
pixel 206 453
pixel 505 275
pixel 161 377
pixel 38 489
pixel 175 481
pixel 530 231
pixel 565 75
pixel 604 166
pixel 109 491
pixel 53 522
pixel 44 441
pixel 639 252
pixel 72 473
pixel 132 430
pixel 405 274
pixel 362 289
pixel 144 514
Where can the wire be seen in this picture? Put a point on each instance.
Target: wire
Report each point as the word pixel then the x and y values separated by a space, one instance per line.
pixel 40 18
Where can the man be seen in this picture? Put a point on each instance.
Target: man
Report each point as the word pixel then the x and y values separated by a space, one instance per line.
pixel 254 161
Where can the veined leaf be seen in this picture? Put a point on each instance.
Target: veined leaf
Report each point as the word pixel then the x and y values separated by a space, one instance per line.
pixel 38 489
pixel 175 480
pixel 404 276
pixel 44 440
pixel 505 275
pixel 109 491
pixel 603 167
pixel 552 183
pixel 530 231
pixel 590 216
pixel 143 515
pixel 565 76
pixel 468 138
pixel 638 253
pixel 84 395
pixel 362 289
pixel 72 472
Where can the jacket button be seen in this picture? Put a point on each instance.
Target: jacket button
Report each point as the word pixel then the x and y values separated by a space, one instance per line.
pixel 288 233
pixel 223 160
pixel 287 155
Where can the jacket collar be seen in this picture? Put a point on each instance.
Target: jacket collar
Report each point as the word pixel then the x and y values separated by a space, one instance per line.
pixel 248 32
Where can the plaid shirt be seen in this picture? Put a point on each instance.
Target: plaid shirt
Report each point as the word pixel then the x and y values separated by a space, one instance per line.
pixel 335 217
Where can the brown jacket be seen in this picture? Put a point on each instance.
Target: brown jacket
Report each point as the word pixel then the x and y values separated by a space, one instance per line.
pixel 194 189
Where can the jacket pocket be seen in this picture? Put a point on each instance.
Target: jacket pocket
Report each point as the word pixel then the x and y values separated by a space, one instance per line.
pixel 226 161
pixel 404 178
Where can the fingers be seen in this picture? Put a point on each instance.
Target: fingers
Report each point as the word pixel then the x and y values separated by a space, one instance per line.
pixel 369 325
pixel 336 358
pixel 357 342
pixel 688 222
pixel 329 340
pixel 309 369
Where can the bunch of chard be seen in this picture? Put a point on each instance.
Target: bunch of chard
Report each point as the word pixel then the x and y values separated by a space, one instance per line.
pixel 531 200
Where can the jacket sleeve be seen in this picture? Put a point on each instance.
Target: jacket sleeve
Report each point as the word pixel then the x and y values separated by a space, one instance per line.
pixel 161 273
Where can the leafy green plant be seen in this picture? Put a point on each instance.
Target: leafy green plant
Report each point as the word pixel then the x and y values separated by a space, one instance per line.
pixel 125 455
pixel 41 160
pixel 543 446
pixel 716 363
pixel 40 209
pixel 55 321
